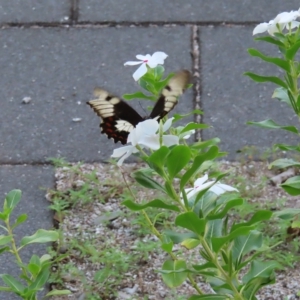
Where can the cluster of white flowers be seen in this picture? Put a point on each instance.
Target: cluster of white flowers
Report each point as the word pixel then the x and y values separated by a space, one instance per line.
pixel 145 134
pixel 281 21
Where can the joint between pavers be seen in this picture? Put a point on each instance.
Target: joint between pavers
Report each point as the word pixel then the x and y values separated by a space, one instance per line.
pixel 74 13
pixel 73 23
pixel 195 43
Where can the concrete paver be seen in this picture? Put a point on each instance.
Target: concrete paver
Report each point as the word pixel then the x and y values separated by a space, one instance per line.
pixel 19 11
pixel 182 11
pixel 32 180
pixel 230 99
pixel 59 68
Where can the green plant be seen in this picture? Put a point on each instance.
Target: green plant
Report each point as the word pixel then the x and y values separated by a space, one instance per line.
pixel 35 274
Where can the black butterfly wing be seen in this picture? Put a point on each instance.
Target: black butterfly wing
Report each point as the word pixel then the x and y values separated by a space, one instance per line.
pixel 169 96
pixel 118 118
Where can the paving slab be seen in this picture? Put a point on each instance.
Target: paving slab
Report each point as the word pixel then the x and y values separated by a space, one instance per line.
pixel 182 11
pixel 19 11
pixel 33 181
pixel 58 68
pixel 230 99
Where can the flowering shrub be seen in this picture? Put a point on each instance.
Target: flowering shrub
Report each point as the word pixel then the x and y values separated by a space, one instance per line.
pixel 180 172
pixel 284 33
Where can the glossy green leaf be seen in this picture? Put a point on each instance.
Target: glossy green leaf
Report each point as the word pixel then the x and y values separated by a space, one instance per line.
pixel 214 228
pixel 58 293
pixel 176 277
pixel 282 94
pixel 263 269
pixel 154 203
pixel 270 40
pixel 40 280
pixel 21 219
pixel 178 117
pixel 290 53
pixel 138 95
pixel 193 126
pixel 13 198
pixel 287 213
pixel 191 221
pixel 190 243
pixel 273 79
pixel 270 124
pixel 147 181
pixel 206 143
pixel 208 297
pixel 4 249
pixel 198 161
pixel 157 159
pixel 161 84
pixel 178 237
pixel 292 186
pixel 284 163
pixel 230 204
pixel 258 216
pixel 41 236
pixel 218 242
pixel 273 60
pixel 11 282
pixel 4 239
pixel 177 159
pixel 286 147
pixel 246 243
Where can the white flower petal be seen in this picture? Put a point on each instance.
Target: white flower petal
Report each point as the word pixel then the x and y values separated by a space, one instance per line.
pixel 220 188
pixel 170 140
pixel 150 141
pixel 260 28
pixel 121 151
pixel 201 180
pixel 157 58
pixel 143 57
pixel 167 124
pixel 132 63
pixel 140 72
pixel 149 126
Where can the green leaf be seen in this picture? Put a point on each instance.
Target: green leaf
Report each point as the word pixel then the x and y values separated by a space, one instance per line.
pixel 58 292
pixel 292 186
pixel 176 277
pixel 198 161
pixel 214 228
pixel 246 243
pixel 261 269
pixel 190 243
pixel 4 249
pixel 138 95
pixel 218 242
pixel 270 40
pixel 21 219
pixel 208 297
pixel 40 280
pixel 178 159
pixel 167 244
pixel 273 60
pixel 147 182
pixel 102 275
pixel 282 94
pixel 287 213
pixel 178 117
pixel 286 147
pixel 158 72
pixel 13 198
pixel 230 204
pixel 154 203
pixel 191 221
pixel 270 124
pixel 206 143
pixel 193 126
pixel 41 236
pixel 290 53
pixel 178 237
pixel 14 284
pixel 273 79
pixel 4 239
pixel 284 163
pixel 157 159
pixel 161 84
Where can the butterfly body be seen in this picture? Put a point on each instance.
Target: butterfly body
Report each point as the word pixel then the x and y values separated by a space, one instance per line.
pixel 119 118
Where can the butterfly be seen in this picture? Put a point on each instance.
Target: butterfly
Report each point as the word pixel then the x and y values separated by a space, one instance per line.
pixel 119 118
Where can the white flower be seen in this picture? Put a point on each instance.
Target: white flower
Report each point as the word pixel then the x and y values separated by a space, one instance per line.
pixel 200 185
pixel 282 20
pixel 157 58
pixel 145 135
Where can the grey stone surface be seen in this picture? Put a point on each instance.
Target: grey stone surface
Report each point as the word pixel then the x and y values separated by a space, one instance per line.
pixel 19 11
pixel 182 11
pixel 32 180
pixel 230 99
pixel 59 68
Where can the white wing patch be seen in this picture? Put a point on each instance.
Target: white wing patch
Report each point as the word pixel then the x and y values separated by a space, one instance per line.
pixel 123 125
